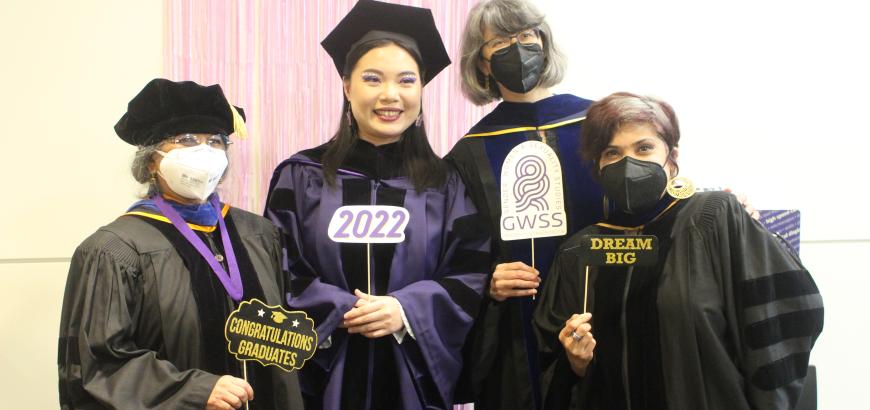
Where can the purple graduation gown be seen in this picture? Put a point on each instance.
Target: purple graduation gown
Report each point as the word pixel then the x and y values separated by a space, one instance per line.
pixel 438 275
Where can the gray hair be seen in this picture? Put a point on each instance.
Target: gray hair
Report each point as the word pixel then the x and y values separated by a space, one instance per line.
pixel 503 18
pixel 142 159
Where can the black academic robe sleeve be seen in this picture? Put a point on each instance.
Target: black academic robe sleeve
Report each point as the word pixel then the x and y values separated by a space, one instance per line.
pixel 746 292
pixel 561 297
pixel 100 363
pixel 738 315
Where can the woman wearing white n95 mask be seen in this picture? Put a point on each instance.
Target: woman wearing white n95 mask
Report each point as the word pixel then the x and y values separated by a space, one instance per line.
pixel 148 294
pixel 190 166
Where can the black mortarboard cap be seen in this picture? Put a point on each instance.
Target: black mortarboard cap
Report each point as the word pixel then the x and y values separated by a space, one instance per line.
pixel 165 108
pixel 375 19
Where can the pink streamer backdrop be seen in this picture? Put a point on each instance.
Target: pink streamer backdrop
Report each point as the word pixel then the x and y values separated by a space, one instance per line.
pixel 266 55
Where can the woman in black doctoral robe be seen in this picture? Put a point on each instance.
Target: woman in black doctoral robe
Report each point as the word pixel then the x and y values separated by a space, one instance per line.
pixel 147 295
pixel 726 317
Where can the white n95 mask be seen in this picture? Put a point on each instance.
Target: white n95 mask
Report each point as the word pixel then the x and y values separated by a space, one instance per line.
pixel 193 172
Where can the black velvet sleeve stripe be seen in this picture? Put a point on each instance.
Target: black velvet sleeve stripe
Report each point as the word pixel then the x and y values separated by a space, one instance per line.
pixel 68 350
pixel 282 199
pixel 469 261
pixel 805 323
pixel 467 299
pixel 470 227
pixel 299 284
pixel 74 396
pixel 291 246
pixel 775 287
pixel 781 372
pixel 297 265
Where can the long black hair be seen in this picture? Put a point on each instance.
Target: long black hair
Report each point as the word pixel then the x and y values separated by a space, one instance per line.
pixel 423 167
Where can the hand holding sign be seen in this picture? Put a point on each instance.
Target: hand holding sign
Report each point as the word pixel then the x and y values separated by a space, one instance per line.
pixel 374 316
pixel 229 391
pixel 532 201
pixel 514 279
pixel 269 335
pixel 368 224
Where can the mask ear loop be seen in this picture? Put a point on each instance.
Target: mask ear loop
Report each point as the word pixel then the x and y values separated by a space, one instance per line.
pixel 606 205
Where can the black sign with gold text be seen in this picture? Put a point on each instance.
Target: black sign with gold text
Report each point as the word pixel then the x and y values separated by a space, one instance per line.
pixel 270 335
pixel 619 250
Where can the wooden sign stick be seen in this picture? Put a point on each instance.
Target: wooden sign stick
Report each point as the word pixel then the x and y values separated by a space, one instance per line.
pixel 533 259
pixel 586 289
pixel 245 375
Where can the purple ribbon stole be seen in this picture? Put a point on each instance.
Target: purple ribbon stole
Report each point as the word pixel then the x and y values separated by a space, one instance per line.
pixel 232 282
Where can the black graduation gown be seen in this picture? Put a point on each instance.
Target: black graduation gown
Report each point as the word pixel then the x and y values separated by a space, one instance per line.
pixel 501 368
pixel 143 317
pixel 437 274
pixel 726 320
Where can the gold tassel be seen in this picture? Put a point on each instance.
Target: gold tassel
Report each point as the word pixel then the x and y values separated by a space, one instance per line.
pixel 239 126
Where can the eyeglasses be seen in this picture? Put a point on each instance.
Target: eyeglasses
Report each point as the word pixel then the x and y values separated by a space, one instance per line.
pixel 217 141
pixel 527 36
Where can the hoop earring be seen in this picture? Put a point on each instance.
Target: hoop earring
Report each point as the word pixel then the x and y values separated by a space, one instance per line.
pixel 153 186
pixel 680 187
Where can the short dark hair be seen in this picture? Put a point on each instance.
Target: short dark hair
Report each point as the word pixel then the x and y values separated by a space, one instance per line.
pixel 606 117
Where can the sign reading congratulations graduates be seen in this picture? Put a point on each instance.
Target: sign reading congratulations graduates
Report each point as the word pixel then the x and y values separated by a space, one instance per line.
pixel 368 224
pixel 270 335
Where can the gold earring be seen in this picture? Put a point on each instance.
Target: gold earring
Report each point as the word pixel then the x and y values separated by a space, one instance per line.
pixel 486 83
pixel 681 187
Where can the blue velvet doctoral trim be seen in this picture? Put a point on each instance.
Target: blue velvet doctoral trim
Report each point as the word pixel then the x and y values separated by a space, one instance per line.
pixel 550 110
pixel 201 214
pixel 582 194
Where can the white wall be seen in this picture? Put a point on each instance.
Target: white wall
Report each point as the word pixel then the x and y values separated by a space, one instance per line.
pixel 68 69
pixel 772 98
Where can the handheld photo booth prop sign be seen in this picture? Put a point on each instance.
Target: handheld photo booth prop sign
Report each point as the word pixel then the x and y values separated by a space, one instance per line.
pixel 616 250
pixel 532 199
pixel 368 224
pixel 270 335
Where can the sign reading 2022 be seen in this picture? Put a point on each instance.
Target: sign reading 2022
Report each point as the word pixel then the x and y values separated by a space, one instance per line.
pixel 368 224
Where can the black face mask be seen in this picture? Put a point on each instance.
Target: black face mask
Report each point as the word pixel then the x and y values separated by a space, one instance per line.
pixel 633 185
pixel 518 66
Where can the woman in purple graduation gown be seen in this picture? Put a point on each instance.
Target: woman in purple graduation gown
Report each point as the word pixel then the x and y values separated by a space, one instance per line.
pixel 398 344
